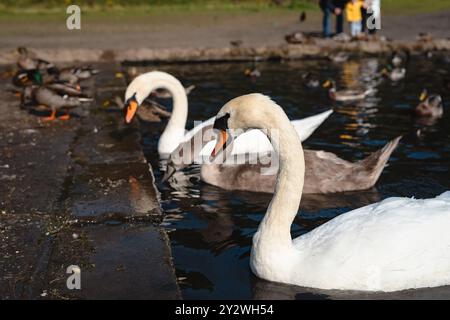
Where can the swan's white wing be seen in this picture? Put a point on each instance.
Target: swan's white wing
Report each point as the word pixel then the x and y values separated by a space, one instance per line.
pixel 391 245
pixel 305 127
pixel 255 141
pixel 195 129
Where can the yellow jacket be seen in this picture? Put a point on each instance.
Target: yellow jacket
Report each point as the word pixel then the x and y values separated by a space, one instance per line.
pixel 353 11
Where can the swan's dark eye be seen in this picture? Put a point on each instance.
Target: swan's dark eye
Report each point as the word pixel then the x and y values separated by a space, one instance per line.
pixel 222 122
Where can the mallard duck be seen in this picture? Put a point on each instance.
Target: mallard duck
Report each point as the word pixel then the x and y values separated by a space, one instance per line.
pixel 67 89
pixel 430 105
pixel 24 78
pixel 399 58
pixel 345 95
pixel 393 73
pixel 252 73
pixel 309 81
pixel 73 75
pixel 32 77
pixel 29 61
pixel 46 98
pixel 297 38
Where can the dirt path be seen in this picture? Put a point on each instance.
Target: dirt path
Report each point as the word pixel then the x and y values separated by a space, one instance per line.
pixel 194 30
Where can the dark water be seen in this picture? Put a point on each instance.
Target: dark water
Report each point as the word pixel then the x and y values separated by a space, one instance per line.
pixel 211 229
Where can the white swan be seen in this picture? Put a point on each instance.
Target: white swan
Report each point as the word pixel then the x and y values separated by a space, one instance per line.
pixel 253 141
pixel 395 244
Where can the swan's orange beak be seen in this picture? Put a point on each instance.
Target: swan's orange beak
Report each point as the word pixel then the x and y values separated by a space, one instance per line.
pixel 221 143
pixel 130 110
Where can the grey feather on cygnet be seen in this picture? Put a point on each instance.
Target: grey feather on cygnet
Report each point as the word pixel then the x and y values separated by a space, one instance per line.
pixel 327 173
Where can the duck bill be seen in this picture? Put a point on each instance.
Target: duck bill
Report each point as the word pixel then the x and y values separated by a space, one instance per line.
pixel 221 144
pixel 131 109
pixel 423 96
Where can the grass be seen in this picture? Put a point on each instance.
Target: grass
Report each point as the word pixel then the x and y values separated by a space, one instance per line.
pixel 49 10
pixel 154 6
pixel 414 6
pixel 54 9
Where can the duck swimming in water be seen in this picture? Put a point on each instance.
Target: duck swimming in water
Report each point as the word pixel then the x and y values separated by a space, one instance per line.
pixel 309 81
pixel 393 73
pixel 252 73
pixel 430 105
pixel 399 58
pixel 346 94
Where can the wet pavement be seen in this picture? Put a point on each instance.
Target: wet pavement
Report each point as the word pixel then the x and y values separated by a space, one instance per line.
pixel 79 192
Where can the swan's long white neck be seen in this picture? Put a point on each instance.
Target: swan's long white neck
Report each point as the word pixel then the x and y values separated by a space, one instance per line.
pixel 174 132
pixel 272 243
pixel 276 225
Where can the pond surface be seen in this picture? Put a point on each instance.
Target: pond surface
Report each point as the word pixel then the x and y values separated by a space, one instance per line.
pixel 211 229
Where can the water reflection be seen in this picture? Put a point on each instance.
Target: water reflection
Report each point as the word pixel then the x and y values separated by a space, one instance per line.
pixel 211 229
pixel 265 290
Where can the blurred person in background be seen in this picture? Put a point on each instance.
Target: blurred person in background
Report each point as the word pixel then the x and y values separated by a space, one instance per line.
pixel 340 5
pixel 353 11
pixel 330 7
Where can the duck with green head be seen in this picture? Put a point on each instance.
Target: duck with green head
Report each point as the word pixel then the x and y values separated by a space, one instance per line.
pixel 430 105
pixel 393 73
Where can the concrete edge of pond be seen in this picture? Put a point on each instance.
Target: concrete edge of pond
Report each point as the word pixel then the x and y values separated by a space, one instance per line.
pixel 79 192
pixel 320 48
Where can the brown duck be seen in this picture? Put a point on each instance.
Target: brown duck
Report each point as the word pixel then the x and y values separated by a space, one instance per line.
pixel 48 99
pixel 29 61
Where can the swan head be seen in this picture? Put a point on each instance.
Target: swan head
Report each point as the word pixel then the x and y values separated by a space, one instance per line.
pixel 130 108
pixel 143 85
pixel 137 91
pixel 251 111
pixel 135 95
